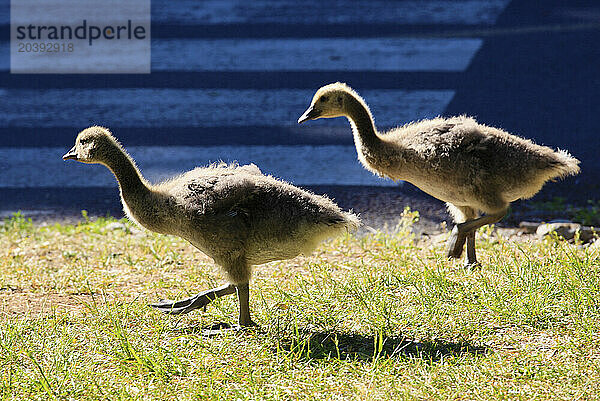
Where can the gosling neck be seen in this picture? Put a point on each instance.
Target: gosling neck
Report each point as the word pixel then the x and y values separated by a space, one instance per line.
pixel 131 182
pixel 363 127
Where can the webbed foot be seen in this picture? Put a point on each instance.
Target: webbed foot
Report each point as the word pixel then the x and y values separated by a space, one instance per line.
pixel 197 301
pixel 182 306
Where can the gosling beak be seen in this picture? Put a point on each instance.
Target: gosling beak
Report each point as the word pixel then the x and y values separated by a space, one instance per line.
pixel 310 114
pixel 71 154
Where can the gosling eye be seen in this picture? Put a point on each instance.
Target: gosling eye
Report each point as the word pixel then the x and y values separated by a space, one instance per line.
pixel 324 98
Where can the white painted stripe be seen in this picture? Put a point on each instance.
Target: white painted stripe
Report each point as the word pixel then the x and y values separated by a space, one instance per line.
pixel 314 54
pixel 317 11
pixel 198 107
pixel 468 12
pixel 330 54
pixel 300 165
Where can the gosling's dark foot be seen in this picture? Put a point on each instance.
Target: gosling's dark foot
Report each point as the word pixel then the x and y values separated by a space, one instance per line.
pixel 247 325
pixel 456 243
pixel 472 264
pixel 183 306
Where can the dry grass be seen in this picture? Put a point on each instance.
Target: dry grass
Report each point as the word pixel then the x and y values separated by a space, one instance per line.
pixel 377 317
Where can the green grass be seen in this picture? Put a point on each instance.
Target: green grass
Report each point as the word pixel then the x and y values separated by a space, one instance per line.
pixel 378 317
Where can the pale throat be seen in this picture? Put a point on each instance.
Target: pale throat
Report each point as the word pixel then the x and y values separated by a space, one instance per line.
pixel 362 124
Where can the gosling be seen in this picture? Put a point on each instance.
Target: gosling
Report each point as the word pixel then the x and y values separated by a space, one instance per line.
pixel 234 214
pixel 472 167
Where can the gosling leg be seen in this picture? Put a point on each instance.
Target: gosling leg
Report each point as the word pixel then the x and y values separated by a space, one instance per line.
pixel 471 260
pixel 465 232
pixel 473 225
pixel 197 301
pixel 456 243
pixel 243 293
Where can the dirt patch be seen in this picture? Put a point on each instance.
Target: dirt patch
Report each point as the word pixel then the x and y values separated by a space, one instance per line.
pixel 23 302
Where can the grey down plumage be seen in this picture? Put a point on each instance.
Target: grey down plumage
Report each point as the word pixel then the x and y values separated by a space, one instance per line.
pixel 472 167
pixel 234 214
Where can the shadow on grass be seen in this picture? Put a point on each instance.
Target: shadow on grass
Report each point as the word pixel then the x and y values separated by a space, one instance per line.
pixel 322 345
pixel 327 345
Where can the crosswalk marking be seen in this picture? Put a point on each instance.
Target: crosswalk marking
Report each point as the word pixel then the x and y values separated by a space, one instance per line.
pixel 288 48
pixel 215 12
pixel 155 108
pixel 301 165
pixel 468 12
pixel 331 54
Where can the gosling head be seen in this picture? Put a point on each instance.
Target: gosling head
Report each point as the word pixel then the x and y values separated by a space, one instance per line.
pixel 93 145
pixel 330 101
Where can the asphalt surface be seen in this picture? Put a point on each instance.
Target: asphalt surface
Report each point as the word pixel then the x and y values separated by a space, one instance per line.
pixel 538 75
pixel 534 72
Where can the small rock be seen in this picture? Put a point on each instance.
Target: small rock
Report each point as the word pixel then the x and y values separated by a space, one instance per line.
pixel 568 231
pixel 528 227
pixel 587 234
pixel 506 232
pixel 564 230
pixel 115 226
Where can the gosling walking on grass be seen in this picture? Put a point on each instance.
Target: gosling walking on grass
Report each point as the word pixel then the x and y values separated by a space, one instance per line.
pixel 472 167
pixel 234 214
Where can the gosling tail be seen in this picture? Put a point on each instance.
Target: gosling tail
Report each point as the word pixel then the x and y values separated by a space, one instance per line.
pixel 351 221
pixel 344 221
pixel 564 164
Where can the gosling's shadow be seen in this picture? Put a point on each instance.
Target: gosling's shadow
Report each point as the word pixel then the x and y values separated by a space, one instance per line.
pixel 324 345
